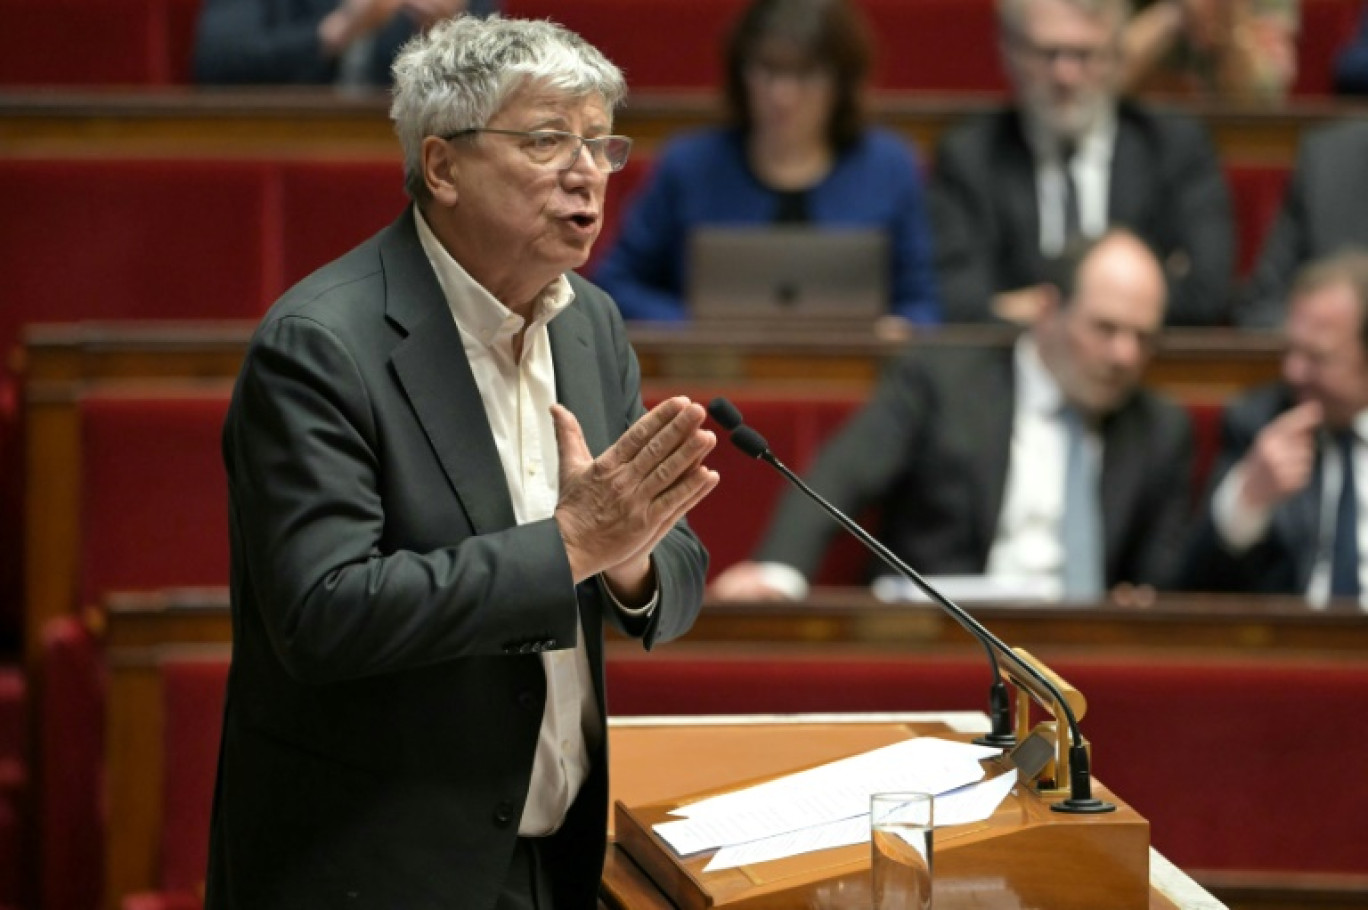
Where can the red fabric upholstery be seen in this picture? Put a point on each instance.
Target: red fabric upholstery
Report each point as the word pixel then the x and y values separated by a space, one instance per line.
pixel 1237 764
pixel 193 691
pixel 83 42
pixel 661 44
pixel 732 520
pixel 1206 432
pixel 70 817
pixel 328 207
pixel 1256 194
pixel 1326 26
pixel 935 45
pixel 132 239
pixel 154 494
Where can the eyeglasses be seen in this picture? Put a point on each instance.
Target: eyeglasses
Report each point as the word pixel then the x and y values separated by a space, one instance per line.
pixel 560 150
pixel 1049 55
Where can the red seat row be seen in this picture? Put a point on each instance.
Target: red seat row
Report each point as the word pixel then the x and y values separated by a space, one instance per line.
pixel 1166 736
pixel 923 45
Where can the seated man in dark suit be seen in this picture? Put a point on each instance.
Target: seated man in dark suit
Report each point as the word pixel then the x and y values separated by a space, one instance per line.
pixel 1283 517
pixel 1044 462
pixel 1012 188
pixel 1323 211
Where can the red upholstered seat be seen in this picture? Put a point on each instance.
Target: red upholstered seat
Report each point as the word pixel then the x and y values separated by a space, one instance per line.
pixel 192 690
pixel 1256 194
pixel 131 239
pixel 154 493
pixel 328 207
pixel 70 817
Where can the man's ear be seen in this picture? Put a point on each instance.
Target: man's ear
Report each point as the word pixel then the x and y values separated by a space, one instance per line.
pixel 440 171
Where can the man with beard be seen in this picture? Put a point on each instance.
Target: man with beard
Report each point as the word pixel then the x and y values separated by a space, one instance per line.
pixel 1043 465
pixel 1284 517
pixel 1013 188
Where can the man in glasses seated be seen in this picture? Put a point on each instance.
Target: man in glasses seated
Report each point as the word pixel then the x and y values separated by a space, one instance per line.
pixel 442 486
pixel 1066 160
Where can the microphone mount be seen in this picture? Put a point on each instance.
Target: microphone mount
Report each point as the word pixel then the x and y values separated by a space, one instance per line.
pixel 1080 799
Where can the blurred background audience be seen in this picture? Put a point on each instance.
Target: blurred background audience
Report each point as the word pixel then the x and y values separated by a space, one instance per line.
pixel 798 151
pixel 1066 159
pixel 1323 211
pixel 1240 50
pixel 1046 465
pixel 350 42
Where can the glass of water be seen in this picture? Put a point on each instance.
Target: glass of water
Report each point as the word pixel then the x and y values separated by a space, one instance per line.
pixel 900 828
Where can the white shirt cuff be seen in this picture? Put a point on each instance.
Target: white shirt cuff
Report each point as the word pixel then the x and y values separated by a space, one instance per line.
pixel 1239 525
pixel 785 579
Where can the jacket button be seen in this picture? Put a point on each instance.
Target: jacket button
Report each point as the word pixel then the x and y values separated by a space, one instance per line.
pixel 528 701
pixel 503 814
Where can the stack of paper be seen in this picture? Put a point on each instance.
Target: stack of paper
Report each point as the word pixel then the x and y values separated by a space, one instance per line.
pixel 828 806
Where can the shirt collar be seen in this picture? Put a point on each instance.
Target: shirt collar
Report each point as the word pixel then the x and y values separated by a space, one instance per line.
pixel 1037 391
pixel 477 312
pixel 1094 145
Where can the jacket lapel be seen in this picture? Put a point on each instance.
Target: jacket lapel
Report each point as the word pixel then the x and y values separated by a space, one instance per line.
pixel 436 377
pixel 577 375
pixel 990 426
pixel 1130 179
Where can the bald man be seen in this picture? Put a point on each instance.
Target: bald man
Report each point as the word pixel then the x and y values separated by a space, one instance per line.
pixel 981 460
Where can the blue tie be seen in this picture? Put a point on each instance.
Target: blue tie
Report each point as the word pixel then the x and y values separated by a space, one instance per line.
pixel 1344 567
pixel 1081 527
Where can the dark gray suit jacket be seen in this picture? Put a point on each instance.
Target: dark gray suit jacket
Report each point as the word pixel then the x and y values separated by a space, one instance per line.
pixel 931 450
pixel 1166 186
pixel 1325 209
pixel 1281 563
pixel 386 688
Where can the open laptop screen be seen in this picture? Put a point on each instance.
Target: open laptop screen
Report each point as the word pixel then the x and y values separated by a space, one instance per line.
pixel 755 273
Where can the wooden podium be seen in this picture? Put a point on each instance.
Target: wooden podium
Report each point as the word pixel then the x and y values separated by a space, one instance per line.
pixel 1024 856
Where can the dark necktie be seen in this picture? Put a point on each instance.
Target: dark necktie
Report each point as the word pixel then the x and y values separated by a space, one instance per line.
pixel 1344 566
pixel 1073 225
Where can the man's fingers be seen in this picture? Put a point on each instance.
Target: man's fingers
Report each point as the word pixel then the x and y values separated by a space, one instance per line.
pixel 1305 418
pixel 639 434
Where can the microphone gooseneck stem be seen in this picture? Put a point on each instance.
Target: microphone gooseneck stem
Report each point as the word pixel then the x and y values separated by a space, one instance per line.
pixel 1080 786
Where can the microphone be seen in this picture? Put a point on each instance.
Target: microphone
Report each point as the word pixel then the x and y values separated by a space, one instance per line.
pixel 1080 799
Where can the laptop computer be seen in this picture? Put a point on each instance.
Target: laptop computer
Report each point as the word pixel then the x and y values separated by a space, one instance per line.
pixel 791 272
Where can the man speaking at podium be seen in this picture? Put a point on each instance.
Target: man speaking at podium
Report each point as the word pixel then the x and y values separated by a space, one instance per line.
pixel 1043 463
pixel 425 548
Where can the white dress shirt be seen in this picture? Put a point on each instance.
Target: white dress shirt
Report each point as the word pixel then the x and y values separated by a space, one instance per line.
pixel 1027 546
pixel 517 396
pixel 1091 169
pixel 1240 526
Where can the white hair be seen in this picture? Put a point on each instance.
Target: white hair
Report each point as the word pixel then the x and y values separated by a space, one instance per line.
pixel 1012 13
pixel 458 74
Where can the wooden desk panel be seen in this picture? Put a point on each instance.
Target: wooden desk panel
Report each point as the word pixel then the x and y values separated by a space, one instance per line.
pixel 178 121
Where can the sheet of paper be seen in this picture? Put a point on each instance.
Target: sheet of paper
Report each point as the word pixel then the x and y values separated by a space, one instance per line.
pixel 827 793
pixel 970 803
pixel 973 803
pixel 841 833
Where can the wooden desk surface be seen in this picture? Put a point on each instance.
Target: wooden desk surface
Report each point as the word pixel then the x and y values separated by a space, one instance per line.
pixel 1191 364
pixel 182 121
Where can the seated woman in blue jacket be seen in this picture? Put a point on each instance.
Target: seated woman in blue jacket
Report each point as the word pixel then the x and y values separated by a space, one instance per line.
pixel 798 152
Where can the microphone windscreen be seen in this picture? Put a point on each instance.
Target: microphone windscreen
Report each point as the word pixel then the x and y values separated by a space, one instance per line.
pixel 749 441
pixel 725 413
